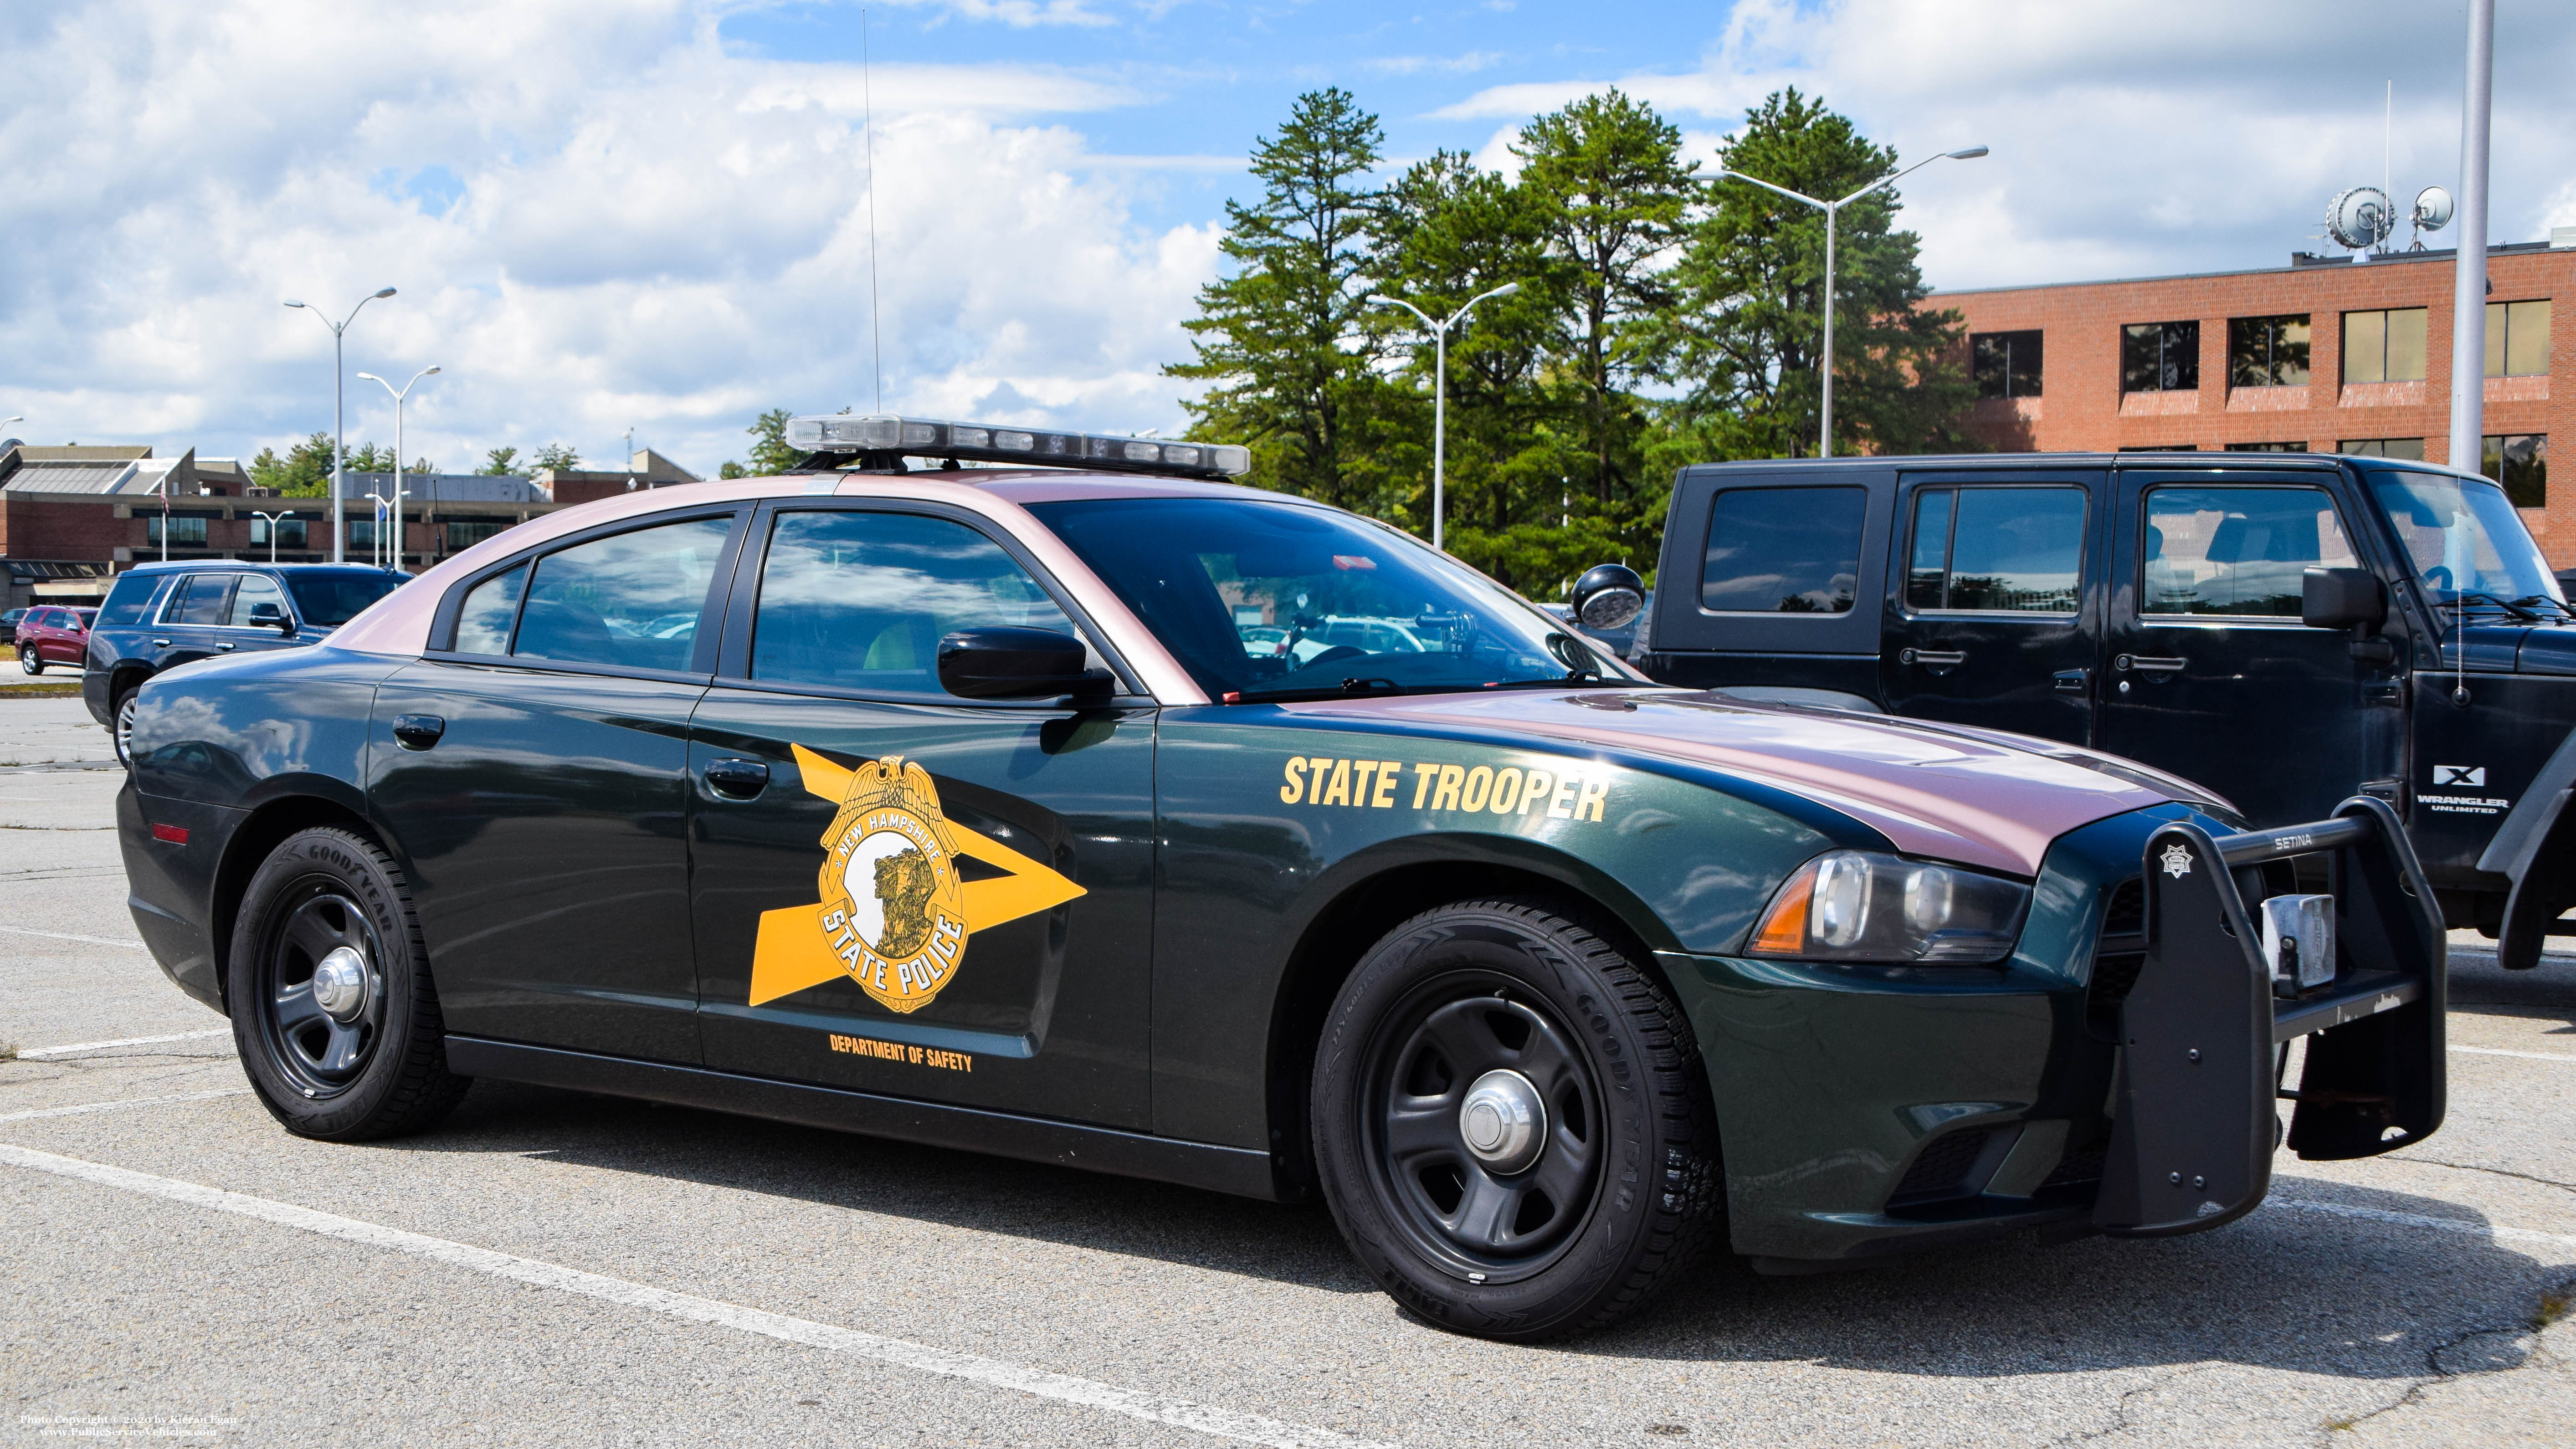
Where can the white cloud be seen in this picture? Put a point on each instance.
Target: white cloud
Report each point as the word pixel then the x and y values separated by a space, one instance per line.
pixel 627 226
pixel 1467 64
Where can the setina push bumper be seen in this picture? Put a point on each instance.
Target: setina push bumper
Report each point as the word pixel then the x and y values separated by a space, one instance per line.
pixel 2205 1032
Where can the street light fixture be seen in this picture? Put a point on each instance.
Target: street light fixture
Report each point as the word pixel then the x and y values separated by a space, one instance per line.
pixel 1440 391
pixel 1833 210
pixel 339 437
pixel 382 503
pixel 274 519
pixel 399 493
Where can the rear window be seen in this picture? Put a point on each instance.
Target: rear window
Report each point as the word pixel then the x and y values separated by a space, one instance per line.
pixel 131 600
pixel 333 598
pixel 1783 550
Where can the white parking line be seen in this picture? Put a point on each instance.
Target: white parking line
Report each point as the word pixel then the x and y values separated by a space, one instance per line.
pixel 1154 1408
pixel 85 1108
pixel 2527 1056
pixel 65 936
pixel 46 1054
pixel 2418 1220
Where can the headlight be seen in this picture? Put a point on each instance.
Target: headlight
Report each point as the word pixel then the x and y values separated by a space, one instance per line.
pixel 1853 905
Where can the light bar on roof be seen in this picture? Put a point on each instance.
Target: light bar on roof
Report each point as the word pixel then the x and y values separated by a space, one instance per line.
pixel 984 443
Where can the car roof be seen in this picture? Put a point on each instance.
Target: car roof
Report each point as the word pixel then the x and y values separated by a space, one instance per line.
pixel 206 565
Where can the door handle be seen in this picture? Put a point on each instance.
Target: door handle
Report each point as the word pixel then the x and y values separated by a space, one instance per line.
pixel 1933 658
pixel 161 643
pixel 2146 665
pixel 226 645
pixel 2071 681
pixel 418 731
pixel 737 779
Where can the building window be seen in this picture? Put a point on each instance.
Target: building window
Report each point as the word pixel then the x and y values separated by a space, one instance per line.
pixel 2411 449
pixel 184 532
pixel 2519 461
pixel 2267 351
pixel 466 535
pixel 290 532
pixel 2160 357
pixel 2005 364
pixel 2517 338
pixel 2267 447
pixel 2384 346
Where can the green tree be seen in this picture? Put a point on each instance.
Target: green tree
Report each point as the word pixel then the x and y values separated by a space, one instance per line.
pixel 368 458
pixel 771 453
pixel 1747 341
pixel 1615 186
pixel 421 465
pixel 555 455
pixel 305 471
pixel 733 470
pixel 500 461
pixel 1287 338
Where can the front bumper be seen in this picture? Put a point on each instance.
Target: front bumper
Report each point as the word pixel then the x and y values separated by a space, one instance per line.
pixel 1870 1111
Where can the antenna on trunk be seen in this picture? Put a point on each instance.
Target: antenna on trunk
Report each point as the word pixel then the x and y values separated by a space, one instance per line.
pixel 868 132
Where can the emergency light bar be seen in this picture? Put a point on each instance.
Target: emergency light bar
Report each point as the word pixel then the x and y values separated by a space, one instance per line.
pixel 842 433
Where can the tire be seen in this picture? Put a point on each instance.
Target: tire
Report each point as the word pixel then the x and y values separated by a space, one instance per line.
pixel 121 732
pixel 378 1068
pixel 1623 1193
pixel 31 659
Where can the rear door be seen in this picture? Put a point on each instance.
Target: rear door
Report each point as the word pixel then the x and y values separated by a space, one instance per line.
pixel 2212 675
pixel 897 890
pixel 1994 619
pixel 533 771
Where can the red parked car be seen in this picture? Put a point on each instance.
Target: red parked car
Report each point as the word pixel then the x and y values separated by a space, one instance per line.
pixel 53 636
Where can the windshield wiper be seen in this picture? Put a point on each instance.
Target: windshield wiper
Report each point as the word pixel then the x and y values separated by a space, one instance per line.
pixel 2546 602
pixel 2464 602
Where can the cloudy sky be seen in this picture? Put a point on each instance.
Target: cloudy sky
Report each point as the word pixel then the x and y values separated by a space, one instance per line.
pixel 655 214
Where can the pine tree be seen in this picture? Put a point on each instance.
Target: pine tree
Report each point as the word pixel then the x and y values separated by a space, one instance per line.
pixel 770 451
pixel 500 461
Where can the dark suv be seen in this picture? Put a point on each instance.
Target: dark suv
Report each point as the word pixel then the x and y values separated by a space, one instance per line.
pixel 2287 631
pixel 163 615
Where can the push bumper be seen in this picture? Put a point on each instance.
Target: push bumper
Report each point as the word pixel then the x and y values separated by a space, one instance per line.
pixel 2204 1030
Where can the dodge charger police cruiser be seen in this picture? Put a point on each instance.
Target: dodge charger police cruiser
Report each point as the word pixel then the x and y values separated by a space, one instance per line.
pixel 984 807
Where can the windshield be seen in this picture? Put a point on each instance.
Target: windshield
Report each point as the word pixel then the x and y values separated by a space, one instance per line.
pixel 2463 536
pixel 332 599
pixel 1276 600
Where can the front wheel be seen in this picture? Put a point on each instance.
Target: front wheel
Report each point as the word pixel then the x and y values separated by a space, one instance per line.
pixel 328 986
pixel 30 660
pixel 121 733
pixel 1512 1125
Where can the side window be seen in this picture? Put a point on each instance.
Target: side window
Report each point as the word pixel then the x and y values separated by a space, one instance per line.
pixel 860 600
pixel 254 592
pixel 630 600
pixel 208 599
pixel 1783 550
pixel 1997 550
pixel 483 624
pixel 2236 550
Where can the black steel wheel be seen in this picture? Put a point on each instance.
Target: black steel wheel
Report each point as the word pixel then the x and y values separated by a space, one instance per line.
pixel 1511 1122
pixel 330 997
pixel 30 660
pixel 121 733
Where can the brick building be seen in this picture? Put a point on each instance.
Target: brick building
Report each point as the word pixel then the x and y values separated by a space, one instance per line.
pixel 2323 355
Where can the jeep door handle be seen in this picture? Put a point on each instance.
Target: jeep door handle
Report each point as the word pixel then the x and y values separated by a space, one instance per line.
pixel 2071 681
pixel 418 731
pixel 1935 658
pixel 737 779
pixel 2146 665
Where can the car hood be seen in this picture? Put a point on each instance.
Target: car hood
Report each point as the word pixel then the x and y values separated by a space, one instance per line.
pixel 1977 797
pixel 2543 649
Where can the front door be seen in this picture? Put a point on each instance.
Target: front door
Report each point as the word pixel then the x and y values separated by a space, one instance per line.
pixel 193 619
pixel 897 890
pixel 1995 618
pixel 2212 676
pixel 255 619
pixel 533 771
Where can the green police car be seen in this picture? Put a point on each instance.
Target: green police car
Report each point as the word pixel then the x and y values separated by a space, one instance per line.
pixel 1058 807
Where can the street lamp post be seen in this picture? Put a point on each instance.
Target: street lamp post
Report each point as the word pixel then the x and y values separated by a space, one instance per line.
pixel 273 520
pixel 399 493
pixel 1440 391
pixel 382 551
pixel 339 437
pixel 1832 211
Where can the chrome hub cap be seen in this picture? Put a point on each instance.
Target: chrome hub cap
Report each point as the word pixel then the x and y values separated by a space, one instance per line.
pixel 340 984
pixel 1503 1121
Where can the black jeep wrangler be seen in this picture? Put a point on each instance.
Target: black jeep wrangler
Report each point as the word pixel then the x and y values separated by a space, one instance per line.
pixel 2288 631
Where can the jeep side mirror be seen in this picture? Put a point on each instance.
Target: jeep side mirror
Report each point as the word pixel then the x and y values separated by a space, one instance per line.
pixel 1607 596
pixel 270 616
pixel 1006 663
pixel 2348 599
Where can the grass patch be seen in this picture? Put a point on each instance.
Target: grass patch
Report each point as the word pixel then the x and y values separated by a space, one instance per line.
pixel 66 690
pixel 2553 1307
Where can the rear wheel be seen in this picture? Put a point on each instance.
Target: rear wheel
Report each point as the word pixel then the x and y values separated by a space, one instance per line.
pixel 30 659
pixel 122 731
pixel 330 995
pixel 1511 1123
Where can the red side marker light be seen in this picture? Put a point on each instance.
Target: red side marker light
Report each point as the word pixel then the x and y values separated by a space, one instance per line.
pixel 175 834
pixel 1233 696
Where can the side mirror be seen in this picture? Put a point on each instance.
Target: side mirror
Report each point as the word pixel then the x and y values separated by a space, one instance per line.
pixel 1003 663
pixel 1608 596
pixel 270 616
pixel 2352 599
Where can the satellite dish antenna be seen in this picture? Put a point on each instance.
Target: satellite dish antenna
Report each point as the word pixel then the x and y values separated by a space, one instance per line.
pixel 2433 208
pixel 2361 218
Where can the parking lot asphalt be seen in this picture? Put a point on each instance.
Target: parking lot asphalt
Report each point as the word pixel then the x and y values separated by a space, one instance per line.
pixel 554 1268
